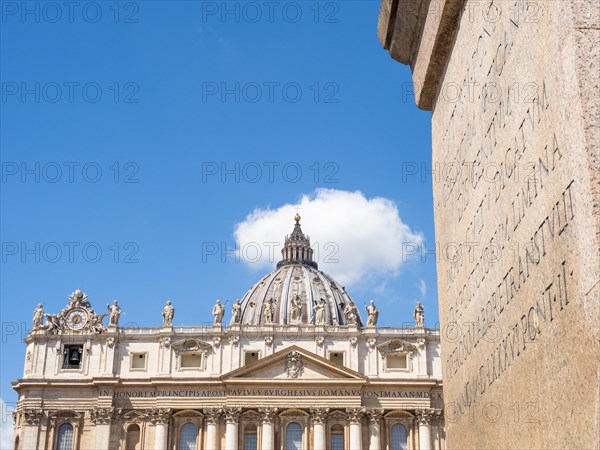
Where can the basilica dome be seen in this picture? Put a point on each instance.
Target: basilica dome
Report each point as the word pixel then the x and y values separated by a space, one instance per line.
pixel 296 291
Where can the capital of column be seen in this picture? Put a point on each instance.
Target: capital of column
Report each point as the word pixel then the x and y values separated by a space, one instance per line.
pixel 355 415
pixel 213 415
pixel 375 416
pixel 232 415
pixel 159 415
pixel 319 415
pixel 100 416
pixel 32 416
pixel 424 416
pixel 268 414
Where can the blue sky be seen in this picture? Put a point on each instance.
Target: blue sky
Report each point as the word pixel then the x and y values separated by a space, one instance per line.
pixel 120 146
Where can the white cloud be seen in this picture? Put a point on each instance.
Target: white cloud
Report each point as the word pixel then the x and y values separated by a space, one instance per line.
pixel 355 239
pixel 6 427
pixel 422 287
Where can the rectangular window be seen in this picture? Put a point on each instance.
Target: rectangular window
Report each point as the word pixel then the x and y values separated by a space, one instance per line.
pixel 250 357
pixel 72 356
pixel 337 358
pixel 138 361
pixel 397 362
pixel 191 361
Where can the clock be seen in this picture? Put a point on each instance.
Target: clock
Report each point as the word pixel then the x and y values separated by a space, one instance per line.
pixel 76 319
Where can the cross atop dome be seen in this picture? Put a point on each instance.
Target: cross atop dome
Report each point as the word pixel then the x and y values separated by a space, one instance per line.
pixel 296 249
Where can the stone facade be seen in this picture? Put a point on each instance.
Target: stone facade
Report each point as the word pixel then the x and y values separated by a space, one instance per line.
pixel 258 383
pixel 514 90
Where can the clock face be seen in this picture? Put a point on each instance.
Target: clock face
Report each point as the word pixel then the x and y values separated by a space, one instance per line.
pixel 76 319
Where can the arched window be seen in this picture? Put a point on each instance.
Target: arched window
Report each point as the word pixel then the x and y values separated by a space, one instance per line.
pixel 293 436
pixel 337 438
pixel 250 441
pixel 398 437
pixel 132 440
pixel 65 437
pixel 188 436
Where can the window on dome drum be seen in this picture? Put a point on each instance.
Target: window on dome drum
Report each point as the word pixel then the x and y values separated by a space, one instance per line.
pixel 188 435
pixel 337 438
pixel 138 361
pixel 250 438
pixel 132 438
pixel 398 437
pixel 396 362
pixel 72 356
pixel 250 357
pixel 65 437
pixel 293 436
pixel 191 361
pixel 337 358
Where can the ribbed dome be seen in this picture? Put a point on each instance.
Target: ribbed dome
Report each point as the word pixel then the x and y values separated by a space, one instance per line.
pixel 290 294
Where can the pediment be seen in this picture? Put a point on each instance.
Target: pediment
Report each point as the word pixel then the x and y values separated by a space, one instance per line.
pixel 397 345
pixel 293 363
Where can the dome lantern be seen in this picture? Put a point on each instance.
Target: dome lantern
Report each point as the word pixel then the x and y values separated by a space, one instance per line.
pixel 296 249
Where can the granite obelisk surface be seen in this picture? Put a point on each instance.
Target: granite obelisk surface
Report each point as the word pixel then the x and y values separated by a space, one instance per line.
pixel 513 87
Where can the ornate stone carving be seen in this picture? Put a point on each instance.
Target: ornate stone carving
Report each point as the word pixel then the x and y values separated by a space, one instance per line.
pixel 165 342
pixel 421 343
pixel 102 415
pixel 38 317
pixel 114 312
pixel 32 416
pixel 218 312
pixel 190 346
pixel 351 313
pixel 232 415
pixel 159 415
pixel 396 345
pixel 235 340
pixel 236 312
pixel 213 415
pixel 318 414
pixel 354 341
pixel 320 341
pixel 268 414
pixel 320 312
pixel 28 361
pixel 110 342
pixel 216 341
pixel 375 415
pixel 373 313
pixel 269 311
pixel 355 415
pixel 293 365
pixel 424 416
pixel 295 309
pixel 77 317
pixel 168 313
pixel 269 341
pixel 371 343
pixel 419 315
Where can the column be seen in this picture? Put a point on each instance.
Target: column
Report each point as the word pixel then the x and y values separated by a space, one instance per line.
pixel 355 418
pixel 232 418
pixel 375 416
pixel 102 419
pixel 161 419
pixel 424 421
pixel 31 427
pixel 319 417
pixel 212 425
pixel 267 416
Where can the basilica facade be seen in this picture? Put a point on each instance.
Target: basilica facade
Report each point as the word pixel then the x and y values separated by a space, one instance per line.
pixel 293 367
